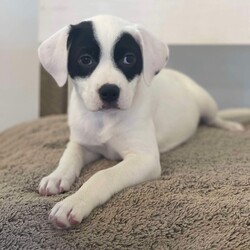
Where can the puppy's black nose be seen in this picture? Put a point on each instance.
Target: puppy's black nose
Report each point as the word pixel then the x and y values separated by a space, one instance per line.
pixel 109 92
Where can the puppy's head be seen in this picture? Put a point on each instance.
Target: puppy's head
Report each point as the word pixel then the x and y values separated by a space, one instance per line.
pixel 105 57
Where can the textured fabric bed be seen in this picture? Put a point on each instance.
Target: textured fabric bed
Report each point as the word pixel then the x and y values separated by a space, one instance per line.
pixel 202 200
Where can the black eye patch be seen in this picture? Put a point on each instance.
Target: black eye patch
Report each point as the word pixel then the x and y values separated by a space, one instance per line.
pixel 83 50
pixel 128 56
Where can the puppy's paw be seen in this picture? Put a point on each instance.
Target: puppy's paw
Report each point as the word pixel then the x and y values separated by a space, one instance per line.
pixel 55 184
pixel 69 212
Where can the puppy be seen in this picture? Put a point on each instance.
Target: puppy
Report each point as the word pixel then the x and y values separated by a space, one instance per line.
pixel 123 106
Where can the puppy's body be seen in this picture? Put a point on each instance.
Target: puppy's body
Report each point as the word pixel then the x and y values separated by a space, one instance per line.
pixel 113 113
pixel 172 125
pixel 96 131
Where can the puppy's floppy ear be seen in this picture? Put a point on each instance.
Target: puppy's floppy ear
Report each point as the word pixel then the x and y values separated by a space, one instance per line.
pixel 53 55
pixel 155 53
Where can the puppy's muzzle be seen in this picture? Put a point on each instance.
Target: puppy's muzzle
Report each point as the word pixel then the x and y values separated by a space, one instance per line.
pixel 109 94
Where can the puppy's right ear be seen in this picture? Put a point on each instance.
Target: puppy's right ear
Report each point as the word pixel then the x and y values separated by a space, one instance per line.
pixel 53 55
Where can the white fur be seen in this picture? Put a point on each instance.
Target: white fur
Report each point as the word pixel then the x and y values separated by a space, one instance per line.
pixel 49 53
pixel 151 119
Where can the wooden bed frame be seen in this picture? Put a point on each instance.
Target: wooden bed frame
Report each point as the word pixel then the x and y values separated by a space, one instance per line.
pixel 53 100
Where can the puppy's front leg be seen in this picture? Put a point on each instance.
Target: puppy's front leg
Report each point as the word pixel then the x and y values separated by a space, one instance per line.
pixel 134 169
pixel 60 180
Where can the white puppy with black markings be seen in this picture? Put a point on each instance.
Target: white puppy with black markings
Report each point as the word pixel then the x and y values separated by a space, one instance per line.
pixel 123 106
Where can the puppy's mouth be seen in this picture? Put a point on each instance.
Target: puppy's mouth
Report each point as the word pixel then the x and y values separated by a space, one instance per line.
pixel 109 105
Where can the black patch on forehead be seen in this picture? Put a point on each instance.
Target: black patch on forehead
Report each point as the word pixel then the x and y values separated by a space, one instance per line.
pixel 81 41
pixel 126 44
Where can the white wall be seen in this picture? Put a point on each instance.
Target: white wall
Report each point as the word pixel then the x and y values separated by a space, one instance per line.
pixel 19 83
pixel 174 21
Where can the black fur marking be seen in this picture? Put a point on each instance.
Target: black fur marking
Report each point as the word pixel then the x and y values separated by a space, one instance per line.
pixel 82 46
pixel 126 45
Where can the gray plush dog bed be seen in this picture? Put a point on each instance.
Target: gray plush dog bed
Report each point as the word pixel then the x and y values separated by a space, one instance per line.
pixel 202 200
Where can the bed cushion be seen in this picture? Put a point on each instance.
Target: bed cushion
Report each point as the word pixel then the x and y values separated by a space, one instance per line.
pixel 201 201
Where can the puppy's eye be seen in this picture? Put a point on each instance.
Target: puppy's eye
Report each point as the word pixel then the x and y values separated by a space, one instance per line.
pixel 129 59
pixel 85 60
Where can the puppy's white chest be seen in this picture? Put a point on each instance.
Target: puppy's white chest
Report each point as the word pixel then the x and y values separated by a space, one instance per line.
pixel 91 131
pixel 96 141
pixel 94 131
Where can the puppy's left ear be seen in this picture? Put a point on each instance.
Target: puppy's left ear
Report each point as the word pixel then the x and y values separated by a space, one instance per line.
pixel 155 53
pixel 53 55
